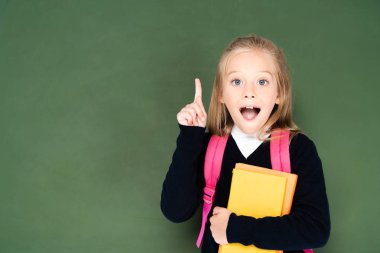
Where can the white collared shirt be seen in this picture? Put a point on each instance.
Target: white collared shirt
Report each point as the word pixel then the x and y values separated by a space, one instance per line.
pixel 247 143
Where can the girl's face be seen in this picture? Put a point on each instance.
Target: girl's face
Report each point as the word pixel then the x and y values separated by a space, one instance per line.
pixel 250 89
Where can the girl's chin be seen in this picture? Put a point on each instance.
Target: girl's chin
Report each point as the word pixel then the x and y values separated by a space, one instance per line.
pixel 249 127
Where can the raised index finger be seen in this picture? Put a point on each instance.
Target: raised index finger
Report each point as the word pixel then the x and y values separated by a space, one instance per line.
pixel 198 89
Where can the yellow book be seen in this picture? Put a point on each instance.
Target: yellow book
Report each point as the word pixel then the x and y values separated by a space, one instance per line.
pixel 259 192
pixel 290 186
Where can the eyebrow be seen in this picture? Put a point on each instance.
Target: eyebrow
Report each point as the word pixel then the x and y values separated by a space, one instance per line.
pixel 264 71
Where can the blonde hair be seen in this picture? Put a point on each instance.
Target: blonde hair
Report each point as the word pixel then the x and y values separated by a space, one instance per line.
pixel 219 119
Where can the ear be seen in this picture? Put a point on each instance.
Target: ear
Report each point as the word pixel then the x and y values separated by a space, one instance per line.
pixel 220 99
pixel 278 99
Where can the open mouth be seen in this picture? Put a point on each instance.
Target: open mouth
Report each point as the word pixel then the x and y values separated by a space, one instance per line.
pixel 249 112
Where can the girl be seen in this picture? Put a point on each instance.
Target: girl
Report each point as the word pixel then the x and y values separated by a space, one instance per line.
pixel 251 96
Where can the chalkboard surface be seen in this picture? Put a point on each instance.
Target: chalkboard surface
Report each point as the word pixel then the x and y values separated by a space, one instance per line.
pixel 89 92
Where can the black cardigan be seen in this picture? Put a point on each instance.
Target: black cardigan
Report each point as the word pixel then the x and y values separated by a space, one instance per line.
pixel 308 224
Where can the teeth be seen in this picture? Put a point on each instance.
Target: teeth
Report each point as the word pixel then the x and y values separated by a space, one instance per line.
pixel 249 107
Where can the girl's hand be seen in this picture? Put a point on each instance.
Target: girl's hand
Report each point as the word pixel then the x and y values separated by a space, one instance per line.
pixel 219 222
pixel 194 114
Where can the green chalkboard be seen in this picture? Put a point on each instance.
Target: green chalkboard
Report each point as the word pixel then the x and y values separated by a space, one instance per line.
pixel 89 92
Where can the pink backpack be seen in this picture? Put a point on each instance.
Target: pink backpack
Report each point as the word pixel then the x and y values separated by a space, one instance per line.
pixel 280 160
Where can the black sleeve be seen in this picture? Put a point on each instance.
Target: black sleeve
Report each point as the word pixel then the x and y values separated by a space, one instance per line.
pixel 183 187
pixel 308 224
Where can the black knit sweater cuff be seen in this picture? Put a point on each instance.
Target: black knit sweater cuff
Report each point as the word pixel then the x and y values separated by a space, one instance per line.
pixel 191 136
pixel 238 230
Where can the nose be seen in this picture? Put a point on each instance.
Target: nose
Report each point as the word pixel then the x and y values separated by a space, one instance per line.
pixel 249 91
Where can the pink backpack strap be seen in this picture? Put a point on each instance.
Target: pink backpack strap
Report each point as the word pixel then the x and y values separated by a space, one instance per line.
pixel 212 166
pixel 279 155
pixel 279 150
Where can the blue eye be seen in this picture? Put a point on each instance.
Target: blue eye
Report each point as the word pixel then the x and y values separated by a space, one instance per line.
pixel 263 82
pixel 236 82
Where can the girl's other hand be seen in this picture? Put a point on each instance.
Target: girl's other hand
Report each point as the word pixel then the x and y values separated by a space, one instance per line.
pixel 194 114
pixel 219 222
